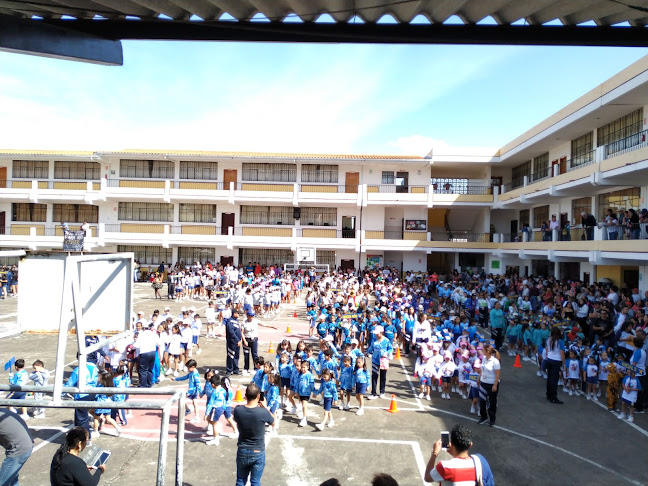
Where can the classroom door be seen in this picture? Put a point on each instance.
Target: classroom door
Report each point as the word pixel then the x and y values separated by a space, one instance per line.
pixel 402 182
pixel 229 175
pixel 225 260
pixel 3 177
pixel 563 165
pixel 351 181
pixel 227 221
pixel 347 264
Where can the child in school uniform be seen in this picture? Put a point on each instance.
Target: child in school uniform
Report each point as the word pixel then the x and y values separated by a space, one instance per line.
pixel 294 385
pixel 272 399
pixel 590 376
pixel 40 377
pixel 193 390
pixel 207 391
pixel 328 390
pixel 465 368
pixel 446 372
pixel 305 387
pixel 631 388
pixel 603 374
pixel 346 382
pixel 285 370
pixel 219 404
pixel 120 380
pixel 573 373
pixel 102 415
pixel 360 382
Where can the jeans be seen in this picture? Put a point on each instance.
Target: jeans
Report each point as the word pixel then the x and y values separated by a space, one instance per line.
pixel 375 373
pixel 488 401
pixel 10 469
pixel 253 345
pixel 553 373
pixel 81 417
pixel 147 361
pixel 249 463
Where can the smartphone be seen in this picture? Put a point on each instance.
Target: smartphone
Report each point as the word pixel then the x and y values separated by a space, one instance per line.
pixel 445 439
pixel 102 459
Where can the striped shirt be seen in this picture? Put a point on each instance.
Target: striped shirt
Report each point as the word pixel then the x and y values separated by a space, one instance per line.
pixel 456 472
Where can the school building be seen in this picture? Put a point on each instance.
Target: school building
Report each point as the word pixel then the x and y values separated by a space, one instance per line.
pixel 422 213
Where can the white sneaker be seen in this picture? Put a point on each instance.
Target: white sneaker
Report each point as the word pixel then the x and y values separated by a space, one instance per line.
pixel 544 375
pixel 472 409
pixel 293 410
pixel 565 389
pixel 322 401
pixel 318 426
pixel 195 420
pixel 630 418
pixel 161 378
pixel 360 411
pixel 300 414
pixel 39 415
pixel 447 396
pixel 169 372
pixel 199 351
pixel 598 394
pixel 427 397
pixel 621 416
pixel 279 414
pixel 539 373
pixel 331 423
pixel 382 395
pixel 454 390
pixel 372 397
pixel 95 434
pixel 25 416
pixel 340 407
pixel 421 395
pixel 303 422
pixel 588 397
pixel 215 441
pixel 526 358
pixel 571 393
pixel 347 407
pixel 175 373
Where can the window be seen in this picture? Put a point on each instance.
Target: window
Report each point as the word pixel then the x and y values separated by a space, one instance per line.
pixel 326 257
pixel 149 255
pixel 265 257
pixel 540 167
pixel 267 215
pixel 582 150
pixel 30 169
pixel 200 170
pixel 269 172
pixel 540 215
pixel 320 173
pixel 525 217
pixel 191 254
pixel 36 213
pixel 318 216
pixel 138 211
pixel 197 213
pixel 519 172
pixel 579 205
pixel 85 171
pixel 387 177
pixel 626 126
pixel 76 213
pixel 625 199
pixel 147 169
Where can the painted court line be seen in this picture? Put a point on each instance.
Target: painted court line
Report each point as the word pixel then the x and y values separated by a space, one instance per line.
pixel 49 440
pixel 418 400
pixel 542 442
pixel 633 425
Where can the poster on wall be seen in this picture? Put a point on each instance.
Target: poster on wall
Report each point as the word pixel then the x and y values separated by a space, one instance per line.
pixel 374 261
pixel 415 225
pixel 495 264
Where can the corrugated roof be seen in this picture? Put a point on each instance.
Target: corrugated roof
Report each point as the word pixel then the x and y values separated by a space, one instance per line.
pixel 61 153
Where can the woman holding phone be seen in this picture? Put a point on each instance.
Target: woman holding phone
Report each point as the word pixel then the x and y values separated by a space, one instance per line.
pixel 67 468
pixel 488 384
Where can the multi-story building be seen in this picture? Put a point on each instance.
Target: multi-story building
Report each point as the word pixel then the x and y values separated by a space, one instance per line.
pixel 416 213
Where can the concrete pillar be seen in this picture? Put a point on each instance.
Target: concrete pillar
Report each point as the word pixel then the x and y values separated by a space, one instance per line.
pixel 557 270
pixel 456 261
pixel 525 236
pixel 554 235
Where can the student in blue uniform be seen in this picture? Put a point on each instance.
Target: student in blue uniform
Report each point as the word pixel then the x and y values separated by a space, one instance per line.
pixel 305 387
pixel 360 382
pixel 194 388
pixel 328 390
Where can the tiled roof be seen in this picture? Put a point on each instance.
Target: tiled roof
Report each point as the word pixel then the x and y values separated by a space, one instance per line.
pixel 69 153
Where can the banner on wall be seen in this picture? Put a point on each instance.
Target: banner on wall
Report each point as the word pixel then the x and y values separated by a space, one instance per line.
pixel 374 261
pixel 415 225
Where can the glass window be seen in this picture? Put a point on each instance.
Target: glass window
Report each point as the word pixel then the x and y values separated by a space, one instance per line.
pixel 582 150
pixel 540 215
pixel 197 213
pixel 149 255
pixel 525 217
pixel 30 169
pixel 269 172
pixel 191 254
pixel 147 169
pixel 326 257
pixel 624 199
pixel 318 216
pixel 267 215
pixel 36 213
pixel 453 186
pixel 519 172
pixel 199 170
pixel 139 211
pixel 579 205
pixel 387 177
pixel 320 173
pixel 76 213
pixel 265 257
pixel 540 167
pixel 623 127
pixel 85 171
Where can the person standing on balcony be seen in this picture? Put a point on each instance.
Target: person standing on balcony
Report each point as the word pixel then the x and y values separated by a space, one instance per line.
pixel 634 224
pixel 554 224
pixel 612 224
pixel 588 221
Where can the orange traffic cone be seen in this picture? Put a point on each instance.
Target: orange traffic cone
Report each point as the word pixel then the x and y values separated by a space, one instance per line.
pixel 288 330
pixel 398 355
pixel 238 398
pixel 392 406
pixel 517 363
pixel 271 349
pixel 295 314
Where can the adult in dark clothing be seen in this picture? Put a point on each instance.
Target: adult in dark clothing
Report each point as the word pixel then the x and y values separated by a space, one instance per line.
pixel 251 420
pixel 588 222
pixel 555 361
pixel 233 342
pixel 67 468
pixel 15 438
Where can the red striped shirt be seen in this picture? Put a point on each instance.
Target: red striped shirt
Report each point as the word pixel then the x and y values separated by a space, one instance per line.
pixel 456 472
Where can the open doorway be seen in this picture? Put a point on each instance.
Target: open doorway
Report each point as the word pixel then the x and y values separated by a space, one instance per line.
pixel 348 226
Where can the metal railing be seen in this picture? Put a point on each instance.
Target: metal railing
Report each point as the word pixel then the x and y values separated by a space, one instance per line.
pixel 540 175
pixel 469 189
pixel 461 237
pixel 265 186
pixel 143 183
pixel 112 228
pixel 514 184
pixel 627 144
pixel 394 189
pixel 196 229
pixel 582 160
pixel 325 233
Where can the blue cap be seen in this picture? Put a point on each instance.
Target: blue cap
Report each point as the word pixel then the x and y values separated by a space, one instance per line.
pixel 251 313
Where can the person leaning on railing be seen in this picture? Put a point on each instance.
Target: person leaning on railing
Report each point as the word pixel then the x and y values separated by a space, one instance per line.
pixel 588 222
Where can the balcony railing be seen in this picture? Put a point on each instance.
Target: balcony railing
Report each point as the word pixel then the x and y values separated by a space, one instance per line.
pixel 394 189
pixel 627 144
pixel 540 175
pixel 461 237
pixel 199 184
pixel 58 184
pixel 514 184
pixel 582 160
pixel 462 189
pixel 137 183
pixel 265 186
pixel 328 188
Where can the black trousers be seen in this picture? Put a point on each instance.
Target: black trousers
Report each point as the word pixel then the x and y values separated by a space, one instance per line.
pixel 147 361
pixel 498 336
pixel 488 401
pixel 376 372
pixel 233 354
pixel 553 374
pixel 253 345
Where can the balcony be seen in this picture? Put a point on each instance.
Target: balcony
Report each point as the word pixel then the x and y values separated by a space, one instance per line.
pixel 42 235
pixel 49 190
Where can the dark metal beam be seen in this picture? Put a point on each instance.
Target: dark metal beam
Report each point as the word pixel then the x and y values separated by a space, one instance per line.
pixel 360 33
pixel 40 38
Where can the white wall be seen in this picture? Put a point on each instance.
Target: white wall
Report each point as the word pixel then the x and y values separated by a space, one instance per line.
pixel 415 261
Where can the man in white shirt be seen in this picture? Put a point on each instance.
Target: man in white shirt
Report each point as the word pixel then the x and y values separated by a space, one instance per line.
pixel 146 344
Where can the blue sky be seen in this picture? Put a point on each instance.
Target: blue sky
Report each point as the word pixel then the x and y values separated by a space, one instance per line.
pixel 296 97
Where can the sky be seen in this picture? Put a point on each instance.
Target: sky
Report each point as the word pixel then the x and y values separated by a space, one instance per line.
pixel 320 98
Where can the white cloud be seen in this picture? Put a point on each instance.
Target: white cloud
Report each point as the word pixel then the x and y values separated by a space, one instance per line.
pixel 422 145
